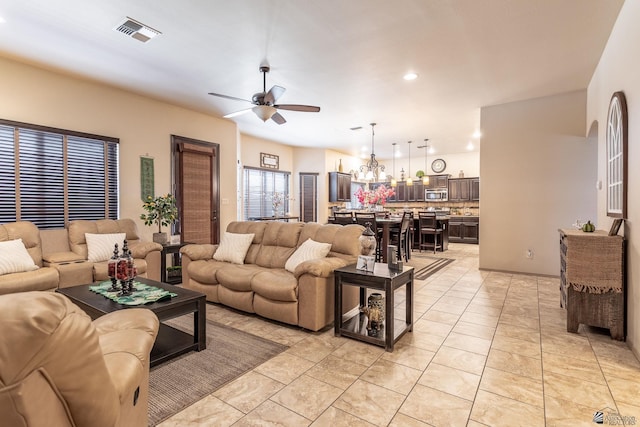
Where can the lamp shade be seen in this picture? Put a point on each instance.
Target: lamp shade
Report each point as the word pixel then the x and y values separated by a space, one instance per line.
pixel 264 111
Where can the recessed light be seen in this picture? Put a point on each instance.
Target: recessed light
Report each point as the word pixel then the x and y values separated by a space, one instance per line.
pixel 477 134
pixel 470 146
pixel 2 20
pixel 431 150
pixel 410 76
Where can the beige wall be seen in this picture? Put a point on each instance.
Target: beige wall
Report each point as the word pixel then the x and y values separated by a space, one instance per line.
pixel 143 125
pixel 538 174
pixel 468 162
pixel 618 71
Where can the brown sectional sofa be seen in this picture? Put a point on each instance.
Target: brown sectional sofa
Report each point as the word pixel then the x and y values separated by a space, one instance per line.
pixel 262 285
pixel 61 254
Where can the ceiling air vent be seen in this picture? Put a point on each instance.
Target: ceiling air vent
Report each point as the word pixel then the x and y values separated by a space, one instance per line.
pixel 137 30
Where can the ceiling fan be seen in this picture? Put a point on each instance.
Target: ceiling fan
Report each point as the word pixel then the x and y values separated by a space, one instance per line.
pixel 264 102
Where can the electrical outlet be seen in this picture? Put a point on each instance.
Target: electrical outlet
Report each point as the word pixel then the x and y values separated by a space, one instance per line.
pixel 529 254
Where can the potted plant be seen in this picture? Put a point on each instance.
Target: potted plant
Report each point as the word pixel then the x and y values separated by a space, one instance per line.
pixel 161 211
pixel 420 174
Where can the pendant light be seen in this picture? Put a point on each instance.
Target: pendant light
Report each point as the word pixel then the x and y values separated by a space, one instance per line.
pixel 425 177
pixel 409 180
pixel 372 170
pixel 394 181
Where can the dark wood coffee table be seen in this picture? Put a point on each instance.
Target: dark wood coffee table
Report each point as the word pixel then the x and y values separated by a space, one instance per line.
pixel 170 342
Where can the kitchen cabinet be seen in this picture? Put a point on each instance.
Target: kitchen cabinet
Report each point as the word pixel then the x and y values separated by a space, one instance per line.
pixel 401 193
pixel 415 193
pixel 459 190
pixel 339 187
pixel 475 189
pixel 464 229
pixel 464 189
pixel 438 181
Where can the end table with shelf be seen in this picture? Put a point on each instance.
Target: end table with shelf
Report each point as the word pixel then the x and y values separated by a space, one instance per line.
pixel 170 249
pixel 381 280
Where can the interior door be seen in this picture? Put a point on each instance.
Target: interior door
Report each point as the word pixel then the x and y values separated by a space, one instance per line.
pixel 308 197
pixel 196 180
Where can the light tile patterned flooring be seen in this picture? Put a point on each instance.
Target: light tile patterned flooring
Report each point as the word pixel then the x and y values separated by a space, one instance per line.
pixel 487 348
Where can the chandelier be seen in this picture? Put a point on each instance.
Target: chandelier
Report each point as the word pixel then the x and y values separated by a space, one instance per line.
pixel 372 170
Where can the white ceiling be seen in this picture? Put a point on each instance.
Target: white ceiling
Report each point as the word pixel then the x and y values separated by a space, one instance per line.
pixel 346 56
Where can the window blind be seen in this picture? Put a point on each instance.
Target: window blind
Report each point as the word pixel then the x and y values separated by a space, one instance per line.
pixel 51 177
pixel 259 187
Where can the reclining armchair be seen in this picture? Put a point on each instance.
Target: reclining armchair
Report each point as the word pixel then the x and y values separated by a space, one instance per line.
pixel 57 367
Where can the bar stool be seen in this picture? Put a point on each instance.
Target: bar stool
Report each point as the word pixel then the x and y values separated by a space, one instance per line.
pixel 428 225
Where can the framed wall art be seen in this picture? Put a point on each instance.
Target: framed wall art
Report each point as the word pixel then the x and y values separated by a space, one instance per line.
pixel 617 135
pixel 269 161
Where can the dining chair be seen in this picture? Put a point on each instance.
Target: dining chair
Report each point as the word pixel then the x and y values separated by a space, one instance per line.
pixel 428 225
pixel 401 238
pixel 343 218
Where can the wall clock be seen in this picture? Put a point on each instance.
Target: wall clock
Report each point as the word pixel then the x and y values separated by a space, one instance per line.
pixel 438 165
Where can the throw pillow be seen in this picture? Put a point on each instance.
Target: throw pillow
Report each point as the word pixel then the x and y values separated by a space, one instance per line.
pixel 233 247
pixel 309 250
pixel 14 258
pixel 100 246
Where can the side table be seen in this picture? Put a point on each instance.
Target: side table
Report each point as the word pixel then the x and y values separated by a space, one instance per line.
pixel 166 250
pixel 386 282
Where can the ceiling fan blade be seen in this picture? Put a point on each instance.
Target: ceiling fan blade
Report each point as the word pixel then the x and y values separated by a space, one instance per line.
pixel 237 113
pixel 228 97
pixel 274 93
pixel 297 107
pixel 277 117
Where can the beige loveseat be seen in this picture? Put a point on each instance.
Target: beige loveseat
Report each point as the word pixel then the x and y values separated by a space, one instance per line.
pixel 61 254
pixel 262 285
pixel 42 279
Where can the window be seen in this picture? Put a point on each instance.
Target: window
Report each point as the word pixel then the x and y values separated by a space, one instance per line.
pixel 617 157
pixel 51 176
pixel 259 188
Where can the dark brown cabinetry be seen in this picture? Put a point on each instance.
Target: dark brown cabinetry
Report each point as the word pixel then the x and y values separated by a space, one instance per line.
pixel 415 193
pixel 438 181
pixel 400 193
pixel 339 187
pixel 464 229
pixel 475 189
pixel 464 189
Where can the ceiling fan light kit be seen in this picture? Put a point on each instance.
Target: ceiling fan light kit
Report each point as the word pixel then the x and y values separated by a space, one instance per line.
pixel 264 112
pixel 265 102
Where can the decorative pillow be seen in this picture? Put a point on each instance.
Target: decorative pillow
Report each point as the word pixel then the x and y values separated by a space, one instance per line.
pixel 233 247
pixel 14 258
pixel 309 250
pixel 100 246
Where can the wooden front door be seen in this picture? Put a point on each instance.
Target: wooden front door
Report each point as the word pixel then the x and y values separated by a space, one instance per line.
pixel 196 180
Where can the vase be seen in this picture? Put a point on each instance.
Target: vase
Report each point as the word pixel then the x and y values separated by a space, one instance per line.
pixel 340 166
pixel 160 238
pixel 368 241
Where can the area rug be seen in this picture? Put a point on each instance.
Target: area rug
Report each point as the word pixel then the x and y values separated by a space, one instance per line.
pixel 180 382
pixel 425 266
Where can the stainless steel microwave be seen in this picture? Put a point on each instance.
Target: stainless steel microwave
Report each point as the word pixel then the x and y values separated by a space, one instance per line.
pixel 436 195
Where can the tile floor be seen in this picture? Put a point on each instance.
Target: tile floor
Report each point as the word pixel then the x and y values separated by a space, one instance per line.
pixel 487 348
